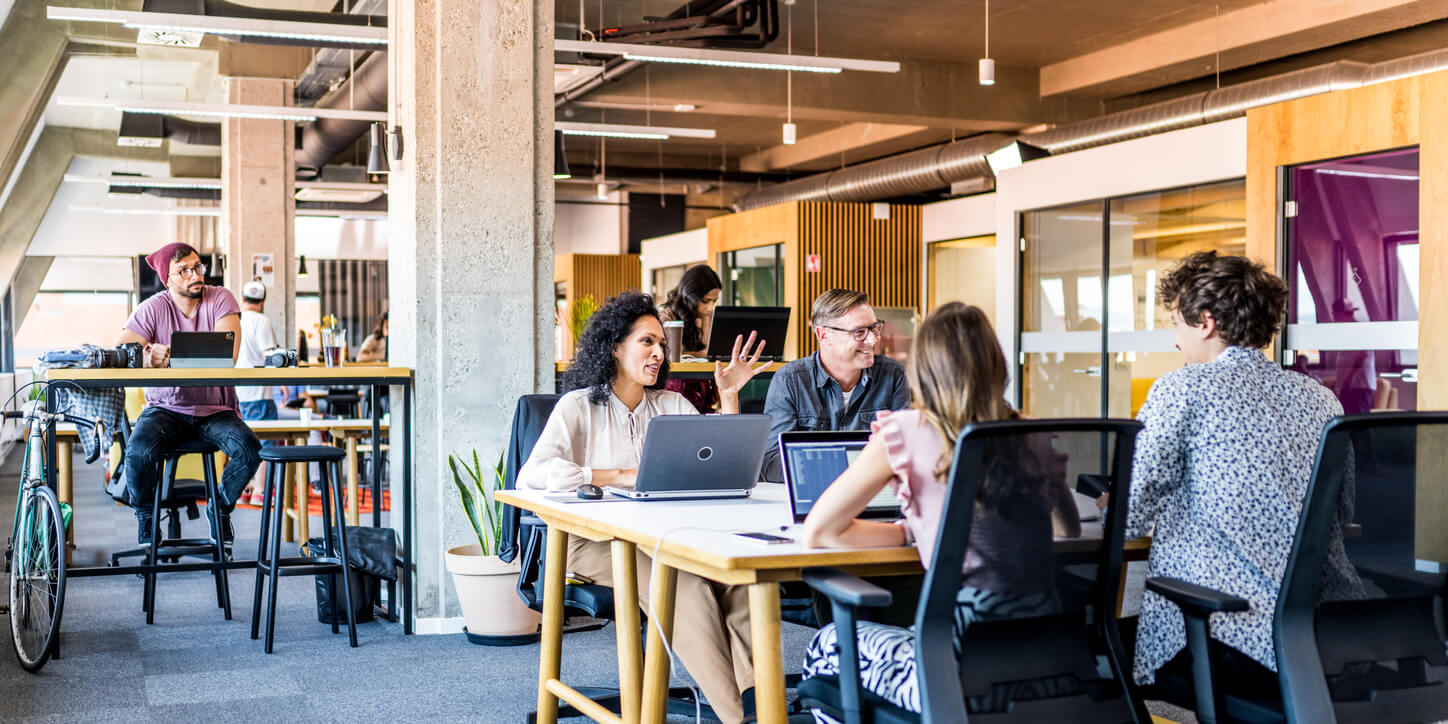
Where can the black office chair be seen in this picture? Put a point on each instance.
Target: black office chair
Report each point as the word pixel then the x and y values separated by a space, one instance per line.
pixel 1379 658
pixel 525 537
pixel 1076 655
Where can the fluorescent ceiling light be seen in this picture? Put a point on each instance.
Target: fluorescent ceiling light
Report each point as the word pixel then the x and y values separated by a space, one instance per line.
pixel 1403 176
pixel 727 58
pixel 198 211
pixel 222 110
pixel 339 196
pixel 619 130
pixel 146 181
pixel 363 36
pixel 341 214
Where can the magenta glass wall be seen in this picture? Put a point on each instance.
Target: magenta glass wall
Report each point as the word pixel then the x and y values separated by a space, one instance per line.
pixel 1353 259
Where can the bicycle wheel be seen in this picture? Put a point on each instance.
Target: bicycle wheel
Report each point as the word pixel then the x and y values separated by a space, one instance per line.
pixel 37 578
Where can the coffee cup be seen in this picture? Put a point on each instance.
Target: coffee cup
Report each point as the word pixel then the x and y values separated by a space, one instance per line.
pixel 674 339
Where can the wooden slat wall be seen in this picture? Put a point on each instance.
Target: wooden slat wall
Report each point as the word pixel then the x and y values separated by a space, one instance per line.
pixel 1407 112
pixel 599 275
pixel 880 257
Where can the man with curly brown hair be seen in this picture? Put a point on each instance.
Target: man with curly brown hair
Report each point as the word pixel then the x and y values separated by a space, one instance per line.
pixel 1222 466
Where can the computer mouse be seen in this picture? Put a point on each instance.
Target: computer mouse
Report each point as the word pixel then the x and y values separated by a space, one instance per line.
pixel 590 492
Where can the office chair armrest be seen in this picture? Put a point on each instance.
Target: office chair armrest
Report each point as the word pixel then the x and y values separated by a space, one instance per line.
pixel 843 588
pixel 1195 600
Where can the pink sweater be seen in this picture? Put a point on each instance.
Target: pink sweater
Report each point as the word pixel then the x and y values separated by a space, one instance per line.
pixel 1010 546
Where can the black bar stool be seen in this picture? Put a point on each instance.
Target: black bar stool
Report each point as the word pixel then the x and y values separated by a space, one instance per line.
pixel 175 546
pixel 269 563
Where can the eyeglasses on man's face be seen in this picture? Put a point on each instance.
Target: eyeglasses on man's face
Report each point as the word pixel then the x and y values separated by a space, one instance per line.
pixel 197 270
pixel 860 333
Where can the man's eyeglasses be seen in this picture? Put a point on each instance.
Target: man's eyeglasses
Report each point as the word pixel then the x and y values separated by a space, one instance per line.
pixel 860 333
pixel 195 270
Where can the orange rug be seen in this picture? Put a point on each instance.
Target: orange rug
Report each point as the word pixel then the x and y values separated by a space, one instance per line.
pixel 314 502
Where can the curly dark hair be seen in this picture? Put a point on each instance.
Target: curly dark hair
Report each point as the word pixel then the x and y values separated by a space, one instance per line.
pixel 1248 302
pixel 594 367
pixel 683 301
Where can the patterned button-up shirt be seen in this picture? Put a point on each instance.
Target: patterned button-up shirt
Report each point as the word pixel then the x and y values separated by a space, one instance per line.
pixel 1220 472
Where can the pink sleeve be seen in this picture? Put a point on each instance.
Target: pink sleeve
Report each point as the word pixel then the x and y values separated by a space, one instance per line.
pixel 887 426
pixel 224 305
pixel 143 321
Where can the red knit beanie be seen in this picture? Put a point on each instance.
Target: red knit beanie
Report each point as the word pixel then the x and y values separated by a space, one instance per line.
pixel 160 260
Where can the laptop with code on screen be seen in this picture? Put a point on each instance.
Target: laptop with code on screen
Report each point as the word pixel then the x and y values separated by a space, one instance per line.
pixel 813 460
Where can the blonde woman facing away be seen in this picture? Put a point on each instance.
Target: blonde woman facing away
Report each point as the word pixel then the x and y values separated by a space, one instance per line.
pixel 957 376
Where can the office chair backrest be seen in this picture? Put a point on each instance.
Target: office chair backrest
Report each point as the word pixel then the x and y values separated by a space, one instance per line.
pixel 528 421
pixel 1378 492
pixel 1066 644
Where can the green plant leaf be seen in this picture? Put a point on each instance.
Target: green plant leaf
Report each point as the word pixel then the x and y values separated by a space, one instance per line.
pixel 469 505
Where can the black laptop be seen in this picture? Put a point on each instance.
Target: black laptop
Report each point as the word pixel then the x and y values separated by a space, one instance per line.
pixel 813 460
pixel 193 350
pixel 771 324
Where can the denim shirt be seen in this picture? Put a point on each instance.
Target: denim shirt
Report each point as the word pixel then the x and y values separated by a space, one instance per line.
pixel 803 396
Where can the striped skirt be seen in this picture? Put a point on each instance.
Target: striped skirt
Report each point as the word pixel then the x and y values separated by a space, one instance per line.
pixel 887 653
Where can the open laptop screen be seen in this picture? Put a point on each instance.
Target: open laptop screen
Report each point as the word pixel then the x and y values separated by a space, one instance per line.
pixel 813 460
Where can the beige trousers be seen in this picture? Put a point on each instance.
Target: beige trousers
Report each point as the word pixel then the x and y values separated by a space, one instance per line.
pixel 711 625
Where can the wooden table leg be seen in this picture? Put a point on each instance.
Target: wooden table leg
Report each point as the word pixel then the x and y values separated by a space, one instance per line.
pixel 65 489
pixel 353 504
pixel 289 527
pixel 626 629
pixel 304 493
pixel 768 659
pixel 656 660
pixel 550 653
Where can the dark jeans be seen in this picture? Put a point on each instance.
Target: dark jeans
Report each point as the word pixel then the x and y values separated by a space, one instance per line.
pixel 157 433
pixel 1233 671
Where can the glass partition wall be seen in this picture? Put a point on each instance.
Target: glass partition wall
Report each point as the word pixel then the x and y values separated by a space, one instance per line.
pixel 1352 247
pixel 753 277
pixel 1093 337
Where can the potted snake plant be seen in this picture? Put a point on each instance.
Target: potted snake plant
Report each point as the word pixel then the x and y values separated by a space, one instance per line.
pixel 486 586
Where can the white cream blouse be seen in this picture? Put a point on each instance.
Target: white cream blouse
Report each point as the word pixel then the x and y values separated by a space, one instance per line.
pixel 581 437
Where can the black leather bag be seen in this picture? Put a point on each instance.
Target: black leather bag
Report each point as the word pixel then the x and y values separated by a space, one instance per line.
pixel 372 553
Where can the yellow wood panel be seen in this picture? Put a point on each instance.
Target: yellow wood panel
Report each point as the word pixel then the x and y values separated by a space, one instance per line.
pixel 748 229
pixel 880 257
pixel 597 275
pixel 1433 244
pixel 1345 123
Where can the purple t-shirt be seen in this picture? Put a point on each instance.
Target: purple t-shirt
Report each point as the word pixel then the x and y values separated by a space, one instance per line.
pixel 157 318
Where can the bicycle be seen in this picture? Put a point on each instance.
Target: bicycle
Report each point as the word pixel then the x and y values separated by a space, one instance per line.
pixel 35 552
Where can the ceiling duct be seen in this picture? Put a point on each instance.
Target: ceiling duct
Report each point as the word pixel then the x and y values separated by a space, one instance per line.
pixel 919 171
pixel 150 129
pixel 331 66
pixel 324 138
pixel 224 9
pixel 697 23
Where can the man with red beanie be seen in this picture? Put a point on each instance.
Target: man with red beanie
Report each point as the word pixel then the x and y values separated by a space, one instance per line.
pixel 177 414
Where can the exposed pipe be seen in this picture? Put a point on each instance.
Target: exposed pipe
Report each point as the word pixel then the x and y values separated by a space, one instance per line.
pixel 324 138
pixel 181 130
pixel 939 166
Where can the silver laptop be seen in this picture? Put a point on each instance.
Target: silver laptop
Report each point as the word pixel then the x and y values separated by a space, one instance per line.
pixel 814 460
pixel 198 350
pixel 691 457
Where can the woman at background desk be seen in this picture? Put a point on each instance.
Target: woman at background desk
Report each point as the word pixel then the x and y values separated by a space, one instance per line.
pixel 957 376
pixel 595 436
pixel 374 348
pixel 692 302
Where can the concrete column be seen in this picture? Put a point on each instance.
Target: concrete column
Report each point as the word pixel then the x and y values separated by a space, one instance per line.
pixel 470 246
pixel 258 197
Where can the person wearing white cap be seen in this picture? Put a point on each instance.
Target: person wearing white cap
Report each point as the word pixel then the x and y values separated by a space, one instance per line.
pixel 257 337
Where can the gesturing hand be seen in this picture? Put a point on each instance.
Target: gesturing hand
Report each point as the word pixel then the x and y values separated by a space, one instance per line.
pixel 741 369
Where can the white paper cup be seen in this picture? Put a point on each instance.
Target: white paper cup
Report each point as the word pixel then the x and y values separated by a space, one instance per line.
pixel 306 413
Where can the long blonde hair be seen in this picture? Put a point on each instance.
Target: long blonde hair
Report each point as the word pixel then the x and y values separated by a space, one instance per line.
pixel 957 374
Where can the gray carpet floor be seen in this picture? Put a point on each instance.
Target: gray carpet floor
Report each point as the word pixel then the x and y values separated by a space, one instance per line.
pixel 192 665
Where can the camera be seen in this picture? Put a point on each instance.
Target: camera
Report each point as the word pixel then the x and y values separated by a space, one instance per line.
pixel 279 357
pixel 128 355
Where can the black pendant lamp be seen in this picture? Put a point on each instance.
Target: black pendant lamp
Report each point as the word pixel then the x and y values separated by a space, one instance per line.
pixel 560 160
pixel 377 156
pixel 302 268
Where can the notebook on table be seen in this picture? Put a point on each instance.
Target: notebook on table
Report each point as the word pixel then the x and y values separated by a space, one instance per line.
pixel 199 350
pixel 771 324
pixel 692 457
pixel 813 460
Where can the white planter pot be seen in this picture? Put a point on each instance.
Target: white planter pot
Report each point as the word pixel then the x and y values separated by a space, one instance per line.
pixel 488 593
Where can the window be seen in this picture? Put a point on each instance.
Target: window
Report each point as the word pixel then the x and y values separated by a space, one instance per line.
pixel 64 320
pixel 753 277
pixel 1093 336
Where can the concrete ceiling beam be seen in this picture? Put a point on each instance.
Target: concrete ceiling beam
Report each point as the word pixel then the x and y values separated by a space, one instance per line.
pixel 1250 35
pixel 828 145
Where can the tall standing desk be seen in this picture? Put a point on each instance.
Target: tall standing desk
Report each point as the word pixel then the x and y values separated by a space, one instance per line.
pixel 377 377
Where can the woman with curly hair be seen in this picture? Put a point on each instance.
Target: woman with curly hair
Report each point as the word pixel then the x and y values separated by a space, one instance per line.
pixel 692 302
pixel 596 436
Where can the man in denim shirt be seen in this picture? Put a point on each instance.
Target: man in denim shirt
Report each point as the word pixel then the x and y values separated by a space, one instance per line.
pixel 841 386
